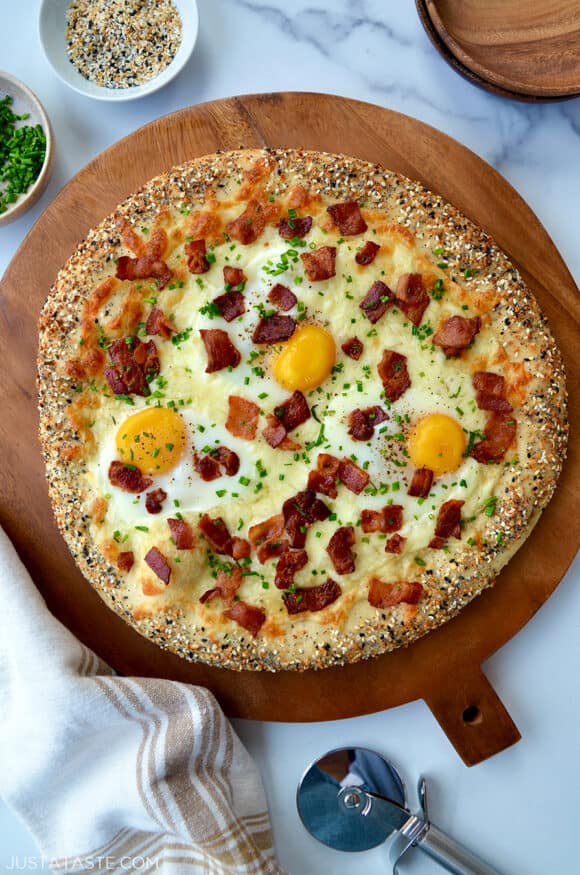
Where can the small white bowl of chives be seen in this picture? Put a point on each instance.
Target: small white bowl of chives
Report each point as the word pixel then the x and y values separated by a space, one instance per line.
pixel 117 49
pixel 26 148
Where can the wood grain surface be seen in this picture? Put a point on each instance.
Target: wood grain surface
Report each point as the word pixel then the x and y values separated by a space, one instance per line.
pixel 470 75
pixel 444 667
pixel 530 47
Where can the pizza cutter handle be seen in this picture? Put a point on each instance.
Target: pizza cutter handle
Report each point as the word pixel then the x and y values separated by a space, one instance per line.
pixel 471 714
pixel 450 854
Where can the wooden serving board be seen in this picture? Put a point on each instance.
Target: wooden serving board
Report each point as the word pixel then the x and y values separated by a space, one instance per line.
pixel 444 667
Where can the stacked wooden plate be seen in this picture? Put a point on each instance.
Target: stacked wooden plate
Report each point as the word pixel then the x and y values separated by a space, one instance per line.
pixel 524 50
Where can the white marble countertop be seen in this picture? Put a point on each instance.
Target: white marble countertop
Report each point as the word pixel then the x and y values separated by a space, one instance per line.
pixel 519 809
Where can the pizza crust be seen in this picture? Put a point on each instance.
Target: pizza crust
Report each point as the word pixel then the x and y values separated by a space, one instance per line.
pixel 348 630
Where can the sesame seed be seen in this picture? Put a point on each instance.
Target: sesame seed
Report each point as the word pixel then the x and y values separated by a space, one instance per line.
pixel 122 43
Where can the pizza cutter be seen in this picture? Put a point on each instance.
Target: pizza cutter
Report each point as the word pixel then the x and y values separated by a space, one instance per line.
pixel 352 799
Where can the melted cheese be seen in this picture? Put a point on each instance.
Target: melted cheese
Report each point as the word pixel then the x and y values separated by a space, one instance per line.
pixel 438 385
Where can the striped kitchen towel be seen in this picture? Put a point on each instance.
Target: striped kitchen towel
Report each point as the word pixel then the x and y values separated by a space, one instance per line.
pixel 118 774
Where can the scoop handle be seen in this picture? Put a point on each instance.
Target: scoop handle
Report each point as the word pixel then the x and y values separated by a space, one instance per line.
pixel 450 854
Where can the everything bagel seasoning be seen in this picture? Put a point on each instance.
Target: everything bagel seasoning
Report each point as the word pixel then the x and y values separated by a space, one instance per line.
pixel 122 43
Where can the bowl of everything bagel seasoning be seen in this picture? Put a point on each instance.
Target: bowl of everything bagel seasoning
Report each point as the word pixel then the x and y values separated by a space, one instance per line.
pixel 26 148
pixel 117 49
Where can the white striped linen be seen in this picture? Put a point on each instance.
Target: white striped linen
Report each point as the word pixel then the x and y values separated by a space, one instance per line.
pixel 118 774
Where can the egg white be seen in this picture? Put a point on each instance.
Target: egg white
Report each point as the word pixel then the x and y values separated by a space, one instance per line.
pixel 437 385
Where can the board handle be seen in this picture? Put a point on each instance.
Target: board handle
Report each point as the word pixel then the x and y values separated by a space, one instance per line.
pixel 473 717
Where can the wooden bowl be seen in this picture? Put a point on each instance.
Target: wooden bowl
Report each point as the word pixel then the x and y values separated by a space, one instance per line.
pixel 24 101
pixel 530 48
pixel 468 74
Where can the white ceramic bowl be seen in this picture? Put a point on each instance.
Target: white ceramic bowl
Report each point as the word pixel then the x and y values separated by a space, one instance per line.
pixel 52 34
pixel 24 101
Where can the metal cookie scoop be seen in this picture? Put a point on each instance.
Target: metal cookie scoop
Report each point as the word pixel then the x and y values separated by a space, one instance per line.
pixel 352 799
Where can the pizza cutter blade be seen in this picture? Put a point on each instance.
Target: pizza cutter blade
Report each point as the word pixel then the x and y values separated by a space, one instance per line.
pixel 352 799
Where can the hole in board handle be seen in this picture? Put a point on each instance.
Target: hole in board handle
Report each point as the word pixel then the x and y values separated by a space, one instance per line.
pixel 472 715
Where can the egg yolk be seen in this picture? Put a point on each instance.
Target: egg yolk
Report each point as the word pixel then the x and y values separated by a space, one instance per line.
pixel 306 360
pixel 153 439
pixel 437 442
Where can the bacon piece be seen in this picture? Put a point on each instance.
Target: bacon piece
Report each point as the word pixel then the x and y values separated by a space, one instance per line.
pixel 207 467
pixel 234 276
pixel 288 565
pixel 393 372
pixel 347 218
pixel 249 225
pixel 247 616
pixel 293 412
pixel 125 560
pixel 241 548
pixel 243 416
pixel 146 356
pixel 436 542
pixel 420 483
pixel 376 301
pixel 339 550
pixel 448 524
pixel 324 478
pixel 154 500
pixel 272 549
pixel 129 478
pixel 328 464
pixel 158 324
pixel 228 460
pixel 490 392
pixel 133 362
pixel 275 434
pixel 159 564
pixel 500 433
pixel 312 598
pixel 323 483
pixel 353 348
pixel 387 520
pixel 320 264
pixel 395 544
pixel 287 416
pixel 362 422
pixel 456 334
pixel 226 586
pixel 268 530
pixel 195 253
pixel 116 384
pixel 282 297
pixel 412 297
pixel 218 461
pixel 145 267
pixel 182 534
pixel 353 477
pixel 271 329
pixel 216 534
pixel 385 595
pixel 367 254
pixel 267 538
pixel 231 305
pixel 289 228
pixel 221 353
pixel 300 511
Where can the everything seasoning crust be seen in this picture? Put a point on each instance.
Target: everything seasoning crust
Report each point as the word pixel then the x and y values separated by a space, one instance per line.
pixel 296 411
